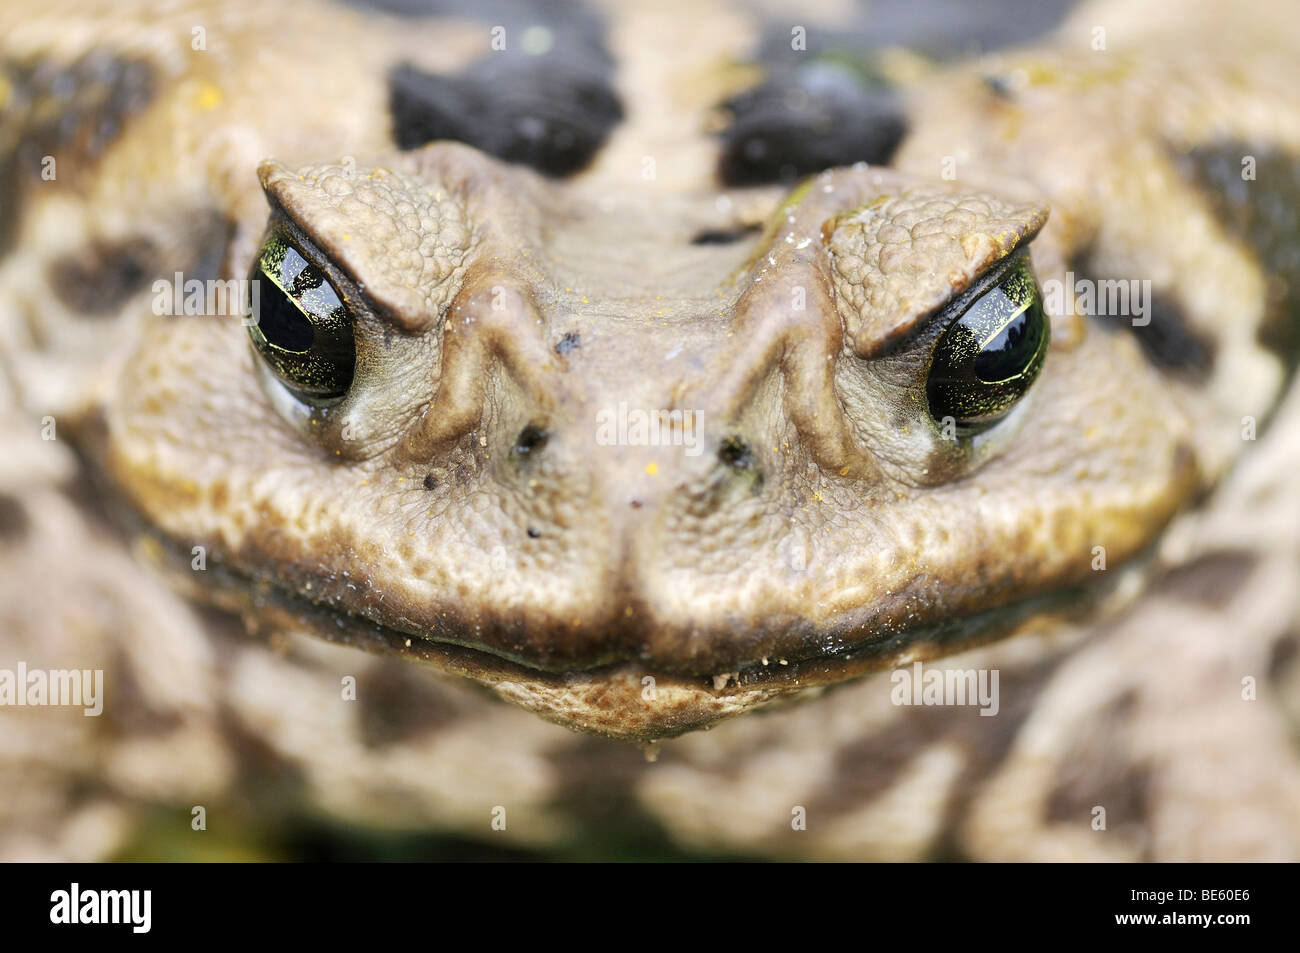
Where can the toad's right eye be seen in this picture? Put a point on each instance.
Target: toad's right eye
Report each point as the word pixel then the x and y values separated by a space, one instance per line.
pixel 302 330
pixel 991 353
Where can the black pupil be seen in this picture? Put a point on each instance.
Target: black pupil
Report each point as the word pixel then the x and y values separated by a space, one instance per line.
pixel 281 322
pixel 1010 352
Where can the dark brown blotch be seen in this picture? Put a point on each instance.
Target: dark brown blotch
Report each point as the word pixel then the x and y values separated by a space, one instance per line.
pixel 544 112
pixel 71 111
pixel 100 278
pixel 398 703
pixel 804 120
pixel 1170 342
pixel 1167 338
pixel 1253 189
pixel 868 767
pixel 1213 580
pixel 1284 654
pixel 723 236
pixel 1100 773
pixel 14 522
pixel 549 109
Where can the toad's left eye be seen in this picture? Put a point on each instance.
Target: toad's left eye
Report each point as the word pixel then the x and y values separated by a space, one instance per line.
pixel 303 330
pixel 990 355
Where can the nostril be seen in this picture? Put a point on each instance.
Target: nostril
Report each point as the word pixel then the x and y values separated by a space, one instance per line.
pixel 735 452
pixel 530 439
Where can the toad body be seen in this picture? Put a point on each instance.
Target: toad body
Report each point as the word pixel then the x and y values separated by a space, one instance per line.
pixel 648 365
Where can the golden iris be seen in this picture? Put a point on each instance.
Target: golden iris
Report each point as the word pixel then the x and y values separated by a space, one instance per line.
pixel 303 330
pixel 990 355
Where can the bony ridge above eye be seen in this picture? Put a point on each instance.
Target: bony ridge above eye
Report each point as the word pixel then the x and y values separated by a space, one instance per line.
pixel 990 355
pixel 303 330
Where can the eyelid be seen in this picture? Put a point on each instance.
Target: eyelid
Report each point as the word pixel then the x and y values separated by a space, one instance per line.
pixel 986 282
pixel 929 328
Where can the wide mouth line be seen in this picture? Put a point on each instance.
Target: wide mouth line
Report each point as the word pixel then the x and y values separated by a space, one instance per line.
pixel 861 651
pixel 877 651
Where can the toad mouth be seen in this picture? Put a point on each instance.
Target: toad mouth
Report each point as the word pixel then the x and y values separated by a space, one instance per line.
pixel 622 698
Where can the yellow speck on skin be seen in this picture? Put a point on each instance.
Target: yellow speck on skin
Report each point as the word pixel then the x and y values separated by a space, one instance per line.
pixel 209 96
pixel 364 482
pixel 844 471
pixel 347 238
pixel 652 468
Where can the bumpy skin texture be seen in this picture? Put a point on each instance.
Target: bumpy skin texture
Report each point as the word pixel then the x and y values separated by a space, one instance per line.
pixel 898 260
pixel 412 242
pixel 827 527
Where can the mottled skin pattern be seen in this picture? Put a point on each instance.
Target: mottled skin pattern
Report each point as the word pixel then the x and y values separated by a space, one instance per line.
pixel 826 530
